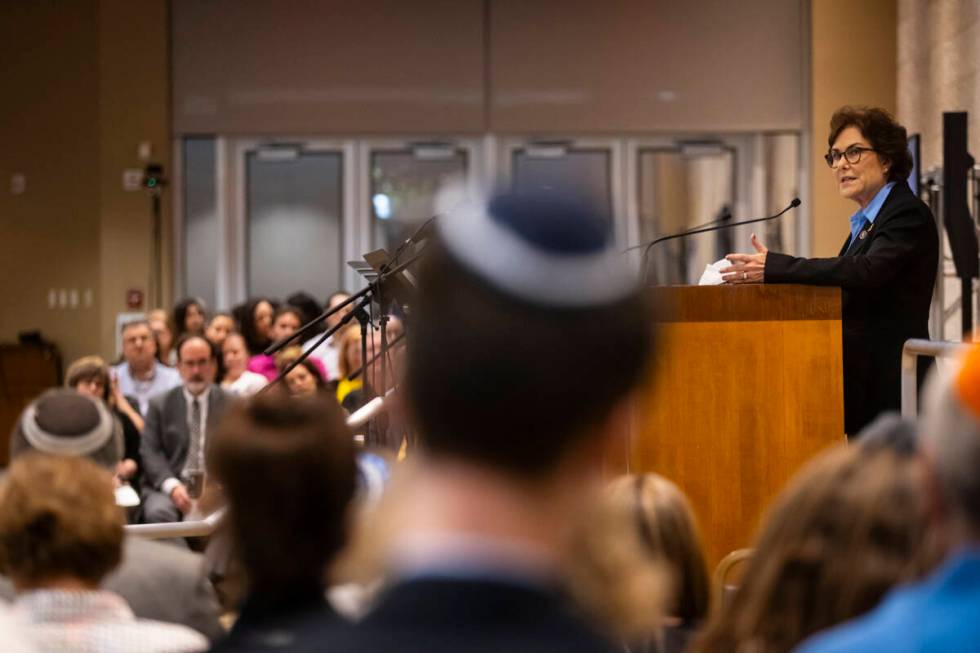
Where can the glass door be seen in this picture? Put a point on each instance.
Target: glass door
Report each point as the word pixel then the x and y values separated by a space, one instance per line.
pixel 589 168
pixel 294 216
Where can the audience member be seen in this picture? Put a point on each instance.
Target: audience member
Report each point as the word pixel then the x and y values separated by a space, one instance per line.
pixel 159 581
pixel 60 535
pixel 891 430
pixel 847 529
pixel 349 362
pixel 284 533
pixel 393 359
pixel 942 611
pixel 163 331
pixel 219 327
pixel 329 350
pixel 190 316
pixel 238 379
pixel 89 376
pixel 175 438
pixel 311 310
pixel 141 375
pixel 483 528
pixel 647 514
pixel 304 379
pixel 285 322
pixel 255 324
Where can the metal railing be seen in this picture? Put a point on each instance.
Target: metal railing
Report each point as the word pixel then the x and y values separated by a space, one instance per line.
pixel 207 525
pixel 914 348
pixel 196 528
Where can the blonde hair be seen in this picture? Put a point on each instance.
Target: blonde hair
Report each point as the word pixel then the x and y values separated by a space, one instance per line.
pixel 612 574
pixel 58 517
pixel 664 521
pixel 348 336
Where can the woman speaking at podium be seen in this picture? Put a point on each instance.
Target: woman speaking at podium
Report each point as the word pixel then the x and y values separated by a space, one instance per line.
pixel 886 269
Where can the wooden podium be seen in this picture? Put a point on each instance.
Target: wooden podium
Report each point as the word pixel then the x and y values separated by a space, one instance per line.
pixel 747 386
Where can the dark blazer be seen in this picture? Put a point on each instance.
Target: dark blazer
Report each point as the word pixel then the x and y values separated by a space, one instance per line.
pixel 302 621
pixel 460 616
pixel 886 280
pixel 166 437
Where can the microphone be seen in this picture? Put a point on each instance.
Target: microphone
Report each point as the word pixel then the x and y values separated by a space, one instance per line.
pixel 723 216
pixel 424 231
pixel 706 229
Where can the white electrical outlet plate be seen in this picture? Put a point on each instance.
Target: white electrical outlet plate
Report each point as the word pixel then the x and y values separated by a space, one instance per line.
pixel 132 179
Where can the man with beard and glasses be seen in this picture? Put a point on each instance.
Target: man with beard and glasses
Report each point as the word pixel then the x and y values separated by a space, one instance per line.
pixel 177 425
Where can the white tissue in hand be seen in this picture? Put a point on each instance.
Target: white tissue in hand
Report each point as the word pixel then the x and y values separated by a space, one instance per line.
pixel 712 273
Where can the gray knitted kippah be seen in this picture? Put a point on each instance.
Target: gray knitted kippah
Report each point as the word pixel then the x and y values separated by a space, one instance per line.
pixel 64 422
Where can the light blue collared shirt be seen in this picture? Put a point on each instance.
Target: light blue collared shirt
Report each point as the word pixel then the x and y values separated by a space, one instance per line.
pixel 163 379
pixel 870 212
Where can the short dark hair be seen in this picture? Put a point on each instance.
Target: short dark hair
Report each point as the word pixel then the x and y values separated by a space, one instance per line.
pixel 187 337
pixel 140 321
pixel 288 530
pixel 888 138
pixel 512 385
pixel 306 303
pixel 287 309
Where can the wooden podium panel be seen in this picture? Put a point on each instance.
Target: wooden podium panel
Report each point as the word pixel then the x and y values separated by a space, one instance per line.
pixel 747 386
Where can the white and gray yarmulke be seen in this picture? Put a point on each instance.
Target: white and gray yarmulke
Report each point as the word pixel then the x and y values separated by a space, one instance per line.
pixel 66 423
pixel 546 249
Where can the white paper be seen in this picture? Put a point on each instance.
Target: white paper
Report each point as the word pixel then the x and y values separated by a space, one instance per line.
pixel 712 273
pixel 126 496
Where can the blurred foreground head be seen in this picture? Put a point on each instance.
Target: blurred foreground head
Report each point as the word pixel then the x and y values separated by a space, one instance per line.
pixel 58 521
pixel 527 331
pixel 849 527
pixel 64 422
pixel 950 439
pixel 287 468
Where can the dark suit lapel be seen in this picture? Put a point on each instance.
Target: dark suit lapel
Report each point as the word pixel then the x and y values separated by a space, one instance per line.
pixel 861 242
pixel 888 209
pixel 180 424
pixel 215 399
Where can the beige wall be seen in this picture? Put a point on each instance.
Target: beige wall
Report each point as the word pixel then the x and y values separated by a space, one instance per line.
pixel 49 235
pixel 938 70
pixel 134 105
pixel 470 66
pixel 853 62
pixel 86 82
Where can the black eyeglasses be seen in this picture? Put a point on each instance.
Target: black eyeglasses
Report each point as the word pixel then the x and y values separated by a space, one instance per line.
pixel 852 154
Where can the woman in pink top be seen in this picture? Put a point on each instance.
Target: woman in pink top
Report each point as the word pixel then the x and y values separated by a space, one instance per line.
pixel 285 322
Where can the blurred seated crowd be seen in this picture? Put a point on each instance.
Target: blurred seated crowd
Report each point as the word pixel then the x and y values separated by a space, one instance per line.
pixel 478 512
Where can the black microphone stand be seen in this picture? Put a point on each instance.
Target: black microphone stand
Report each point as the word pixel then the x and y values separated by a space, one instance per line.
pixel 358 310
pixel 701 230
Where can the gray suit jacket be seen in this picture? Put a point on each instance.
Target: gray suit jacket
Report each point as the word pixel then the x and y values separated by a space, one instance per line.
pixel 163 582
pixel 166 437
